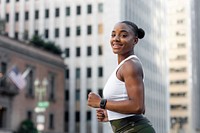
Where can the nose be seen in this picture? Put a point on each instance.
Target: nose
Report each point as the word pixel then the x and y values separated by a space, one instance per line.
pixel 117 38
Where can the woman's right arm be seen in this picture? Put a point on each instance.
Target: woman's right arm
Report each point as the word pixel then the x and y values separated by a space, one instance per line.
pixel 102 115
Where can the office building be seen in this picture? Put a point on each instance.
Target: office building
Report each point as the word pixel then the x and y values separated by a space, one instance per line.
pixel 82 29
pixel 194 64
pixel 36 91
pixel 179 70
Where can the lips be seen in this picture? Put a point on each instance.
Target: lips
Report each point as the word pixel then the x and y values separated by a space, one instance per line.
pixel 117 45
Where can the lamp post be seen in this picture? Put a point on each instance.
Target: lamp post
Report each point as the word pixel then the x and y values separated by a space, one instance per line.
pixel 40 93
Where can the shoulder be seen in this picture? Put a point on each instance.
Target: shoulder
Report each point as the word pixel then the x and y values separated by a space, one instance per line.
pixel 132 66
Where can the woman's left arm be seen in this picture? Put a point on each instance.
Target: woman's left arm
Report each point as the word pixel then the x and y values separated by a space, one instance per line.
pixel 131 73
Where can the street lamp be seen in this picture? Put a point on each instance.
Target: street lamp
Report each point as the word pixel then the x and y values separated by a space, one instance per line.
pixel 40 92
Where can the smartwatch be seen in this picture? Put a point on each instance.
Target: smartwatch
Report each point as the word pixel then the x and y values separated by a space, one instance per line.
pixel 103 103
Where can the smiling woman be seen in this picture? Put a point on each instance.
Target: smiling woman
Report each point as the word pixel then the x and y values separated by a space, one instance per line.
pixel 123 103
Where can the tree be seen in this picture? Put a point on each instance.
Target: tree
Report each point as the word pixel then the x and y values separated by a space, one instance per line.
pixel 37 41
pixel 27 126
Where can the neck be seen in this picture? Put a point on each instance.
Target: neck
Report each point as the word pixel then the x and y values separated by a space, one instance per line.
pixel 122 57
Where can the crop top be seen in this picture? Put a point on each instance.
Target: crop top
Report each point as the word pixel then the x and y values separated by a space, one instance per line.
pixel 115 90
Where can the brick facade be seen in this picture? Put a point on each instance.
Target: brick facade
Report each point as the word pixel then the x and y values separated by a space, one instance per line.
pixel 20 104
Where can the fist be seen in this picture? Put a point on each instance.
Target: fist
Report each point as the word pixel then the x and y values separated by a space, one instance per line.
pixel 94 100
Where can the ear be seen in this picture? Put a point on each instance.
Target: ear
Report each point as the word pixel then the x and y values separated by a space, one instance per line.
pixel 135 40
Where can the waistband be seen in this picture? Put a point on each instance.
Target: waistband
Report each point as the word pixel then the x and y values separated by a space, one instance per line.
pixel 133 118
pixel 134 121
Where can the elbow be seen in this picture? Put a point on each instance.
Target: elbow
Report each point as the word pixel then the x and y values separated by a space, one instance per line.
pixel 138 110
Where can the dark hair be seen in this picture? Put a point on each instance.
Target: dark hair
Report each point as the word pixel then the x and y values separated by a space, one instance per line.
pixel 138 31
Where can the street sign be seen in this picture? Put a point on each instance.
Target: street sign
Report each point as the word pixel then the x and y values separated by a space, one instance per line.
pixel 40 110
pixel 43 104
pixel 40 119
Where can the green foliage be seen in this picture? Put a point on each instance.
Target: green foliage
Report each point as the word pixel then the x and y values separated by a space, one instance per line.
pixel 27 126
pixel 37 41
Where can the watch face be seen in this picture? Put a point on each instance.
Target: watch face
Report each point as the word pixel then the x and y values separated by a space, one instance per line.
pixel 103 103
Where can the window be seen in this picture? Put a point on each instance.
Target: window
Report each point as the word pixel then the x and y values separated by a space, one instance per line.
pixel 52 86
pixel 7 1
pixel 89 9
pixel 16 35
pixel 77 94
pixel 25 35
pixel 56 32
pixel 36 14
pixel 89 50
pixel 100 92
pixel 77 116
pixel 89 72
pixel 78 10
pixel 67 32
pixel 100 29
pixel 180 33
pixel 89 29
pixel 57 13
pixel 46 33
pixel 178 82
pixel 181 45
pixel 51 121
pixel 89 116
pixel 47 13
pixel 7 17
pixel 180 21
pixel 181 69
pixel 78 73
pixel 78 51
pixel 30 80
pixel 3 71
pixel 178 94
pixel 26 15
pixel 67 73
pixel 100 72
pixel 100 7
pixel 88 91
pixel 181 57
pixel 67 11
pixel 3 117
pixel 36 32
pixel 16 16
pixel 180 10
pixel 66 95
pixel 29 115
pixel 78 30
pixel 66 116
pixel 67 52
pixel 100 52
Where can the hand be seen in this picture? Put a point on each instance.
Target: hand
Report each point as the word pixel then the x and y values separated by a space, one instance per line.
pixel 94 100
pixel 102 115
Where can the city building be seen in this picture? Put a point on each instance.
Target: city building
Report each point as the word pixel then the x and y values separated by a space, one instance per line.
pixel 82 29
pixel 42 99
pixel 194 65
pixel 179 70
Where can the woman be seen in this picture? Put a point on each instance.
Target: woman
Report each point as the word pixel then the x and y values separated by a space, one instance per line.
pixel 123 102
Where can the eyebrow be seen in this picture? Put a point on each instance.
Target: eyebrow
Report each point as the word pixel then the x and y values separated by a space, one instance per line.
pixel 121 31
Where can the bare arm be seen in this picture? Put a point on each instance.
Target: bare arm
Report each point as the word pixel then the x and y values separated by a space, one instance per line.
pixel 131 73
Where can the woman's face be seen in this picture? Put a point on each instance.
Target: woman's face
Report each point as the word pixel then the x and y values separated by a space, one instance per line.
pixel 122 39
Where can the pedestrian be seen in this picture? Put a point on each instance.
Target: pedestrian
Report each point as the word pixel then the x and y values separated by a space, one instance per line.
pixel 123 102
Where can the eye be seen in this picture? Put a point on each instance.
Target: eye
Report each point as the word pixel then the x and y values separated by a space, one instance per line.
pixel 123 35
pixel 112 35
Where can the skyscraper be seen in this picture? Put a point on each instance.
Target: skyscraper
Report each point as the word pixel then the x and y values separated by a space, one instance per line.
pixel 82 29
pixel 179 69
pixel 195 63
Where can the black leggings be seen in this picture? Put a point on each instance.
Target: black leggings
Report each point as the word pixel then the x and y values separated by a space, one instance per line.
pixel 132 124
